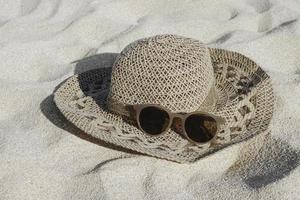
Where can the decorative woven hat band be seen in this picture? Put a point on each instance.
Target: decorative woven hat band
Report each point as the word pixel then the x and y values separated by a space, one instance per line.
pixel 119 108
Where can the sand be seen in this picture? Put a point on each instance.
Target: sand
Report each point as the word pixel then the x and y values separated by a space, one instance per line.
pixel 42 156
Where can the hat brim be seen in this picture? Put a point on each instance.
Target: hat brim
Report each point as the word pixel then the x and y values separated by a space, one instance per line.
pixel 245 100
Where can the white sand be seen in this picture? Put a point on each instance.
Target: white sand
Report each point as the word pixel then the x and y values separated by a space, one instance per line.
pixel 41 159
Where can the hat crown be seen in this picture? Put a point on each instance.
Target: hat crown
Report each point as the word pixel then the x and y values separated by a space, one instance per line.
pixel 170 70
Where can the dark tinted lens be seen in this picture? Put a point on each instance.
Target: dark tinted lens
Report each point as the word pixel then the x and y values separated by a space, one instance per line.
pixel 200 128
pixel 153 120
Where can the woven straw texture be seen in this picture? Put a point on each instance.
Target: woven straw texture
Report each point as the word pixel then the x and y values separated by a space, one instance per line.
pixel 177 68
pixel 180 74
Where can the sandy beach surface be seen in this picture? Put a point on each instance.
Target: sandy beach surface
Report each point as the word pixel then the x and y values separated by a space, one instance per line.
pixel 43 42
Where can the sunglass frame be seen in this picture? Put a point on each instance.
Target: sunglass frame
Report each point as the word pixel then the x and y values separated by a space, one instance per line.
pixel 137 108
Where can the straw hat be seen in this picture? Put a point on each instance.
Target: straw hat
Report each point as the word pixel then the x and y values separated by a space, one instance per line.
pixel 181 74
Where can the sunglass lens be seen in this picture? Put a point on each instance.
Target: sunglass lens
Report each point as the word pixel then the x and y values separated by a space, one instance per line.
pixel 154 120
pixel 200 128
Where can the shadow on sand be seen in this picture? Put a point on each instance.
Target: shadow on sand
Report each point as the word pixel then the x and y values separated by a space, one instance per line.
pixel 266 163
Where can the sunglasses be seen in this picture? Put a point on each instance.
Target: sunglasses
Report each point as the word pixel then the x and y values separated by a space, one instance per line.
pixel 155 120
